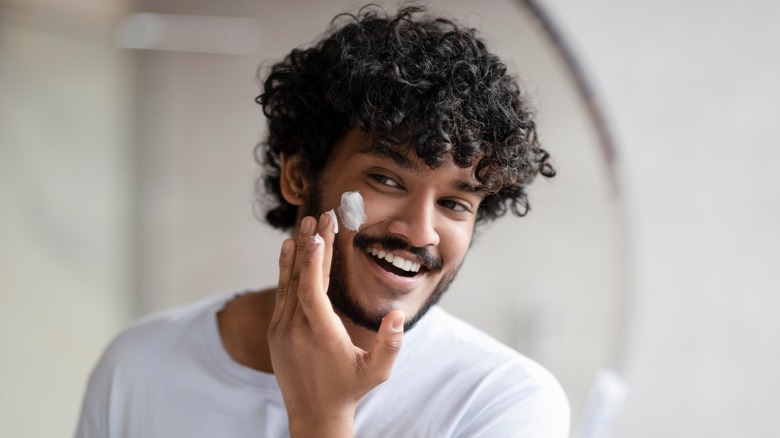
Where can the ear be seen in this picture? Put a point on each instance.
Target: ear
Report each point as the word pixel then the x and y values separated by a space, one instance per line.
pixel 292 181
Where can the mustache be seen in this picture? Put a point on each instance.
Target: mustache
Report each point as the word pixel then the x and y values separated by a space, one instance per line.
pixel 390 243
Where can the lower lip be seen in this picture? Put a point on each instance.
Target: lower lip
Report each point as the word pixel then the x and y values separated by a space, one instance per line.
pixel 389 278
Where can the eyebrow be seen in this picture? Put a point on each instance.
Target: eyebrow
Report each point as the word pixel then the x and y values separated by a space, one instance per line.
pixel 388 153
pixel 465 186
pixel 405 163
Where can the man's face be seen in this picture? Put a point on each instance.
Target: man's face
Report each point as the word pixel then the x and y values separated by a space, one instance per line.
pixel 421 215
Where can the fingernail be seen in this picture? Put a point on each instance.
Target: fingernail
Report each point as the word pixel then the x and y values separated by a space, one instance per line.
pixel 286 247
pixel 398 324
pixel 333 220
pixel 324 221
pixel 307 225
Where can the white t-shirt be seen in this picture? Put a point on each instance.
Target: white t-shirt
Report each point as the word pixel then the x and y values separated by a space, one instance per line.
pixel 169 375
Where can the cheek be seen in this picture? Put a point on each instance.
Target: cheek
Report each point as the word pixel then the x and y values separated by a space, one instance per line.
pixel 455 237
pixel 377 209
pixel 455 242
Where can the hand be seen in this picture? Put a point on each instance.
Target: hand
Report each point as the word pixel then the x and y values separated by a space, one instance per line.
pixel 321 373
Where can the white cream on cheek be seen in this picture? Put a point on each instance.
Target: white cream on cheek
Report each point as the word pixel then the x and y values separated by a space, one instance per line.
pixel 352 210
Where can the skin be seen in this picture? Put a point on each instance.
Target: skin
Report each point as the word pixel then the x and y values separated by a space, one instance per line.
pixel 324 362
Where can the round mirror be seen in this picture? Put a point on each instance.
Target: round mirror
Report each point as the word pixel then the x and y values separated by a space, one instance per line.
pixel 551 284
pixel 128 180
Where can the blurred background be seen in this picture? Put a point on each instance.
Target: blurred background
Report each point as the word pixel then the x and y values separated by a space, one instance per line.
pixel 127 186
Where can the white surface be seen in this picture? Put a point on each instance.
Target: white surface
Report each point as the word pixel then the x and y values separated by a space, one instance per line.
pixel 692 91
pixel 603 406
pixel 65 208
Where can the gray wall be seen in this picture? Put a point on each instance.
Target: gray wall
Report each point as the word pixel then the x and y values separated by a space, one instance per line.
pixel 126 182
pixel 692 93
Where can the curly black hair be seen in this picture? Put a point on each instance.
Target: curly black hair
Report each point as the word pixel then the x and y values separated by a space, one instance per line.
pixel 413 80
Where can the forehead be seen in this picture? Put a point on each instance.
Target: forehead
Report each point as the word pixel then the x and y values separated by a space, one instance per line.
pixel 360 146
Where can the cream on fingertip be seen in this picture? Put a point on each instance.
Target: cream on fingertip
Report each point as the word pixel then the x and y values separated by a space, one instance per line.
pixel 334 219
pixel 317 239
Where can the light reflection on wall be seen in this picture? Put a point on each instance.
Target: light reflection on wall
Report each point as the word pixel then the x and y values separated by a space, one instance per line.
pixel 189 33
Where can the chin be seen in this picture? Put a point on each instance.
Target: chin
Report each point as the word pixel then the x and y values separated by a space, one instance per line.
pixel 369 315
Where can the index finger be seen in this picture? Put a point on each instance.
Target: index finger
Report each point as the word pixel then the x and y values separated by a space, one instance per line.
pixel 312 297
pixel 327 231
pixel 290 288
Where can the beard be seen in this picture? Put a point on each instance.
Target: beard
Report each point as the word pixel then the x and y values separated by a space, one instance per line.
pixel 342 296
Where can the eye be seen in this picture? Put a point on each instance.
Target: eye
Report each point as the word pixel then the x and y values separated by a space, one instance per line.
pixel 454 206
pixel 382 179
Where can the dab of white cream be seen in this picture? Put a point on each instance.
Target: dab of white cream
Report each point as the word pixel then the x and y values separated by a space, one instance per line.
pixel 352 210
pixel 333 219
pixel 317 239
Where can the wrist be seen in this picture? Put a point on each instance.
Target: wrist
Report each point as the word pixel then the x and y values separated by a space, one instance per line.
pixel 331 424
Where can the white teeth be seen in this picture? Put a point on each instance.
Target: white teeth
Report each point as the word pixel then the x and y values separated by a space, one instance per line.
pixel 395 260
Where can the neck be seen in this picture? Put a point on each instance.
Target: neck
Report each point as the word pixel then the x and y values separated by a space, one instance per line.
pixel 243 327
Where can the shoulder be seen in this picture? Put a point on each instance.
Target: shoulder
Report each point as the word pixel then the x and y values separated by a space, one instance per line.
pixel 152 340
pixel 156 331
pixel 509 391
pixel 441 330
pixel 471 347
pixel 134 355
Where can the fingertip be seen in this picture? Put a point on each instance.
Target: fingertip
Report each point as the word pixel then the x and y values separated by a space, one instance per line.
pixel 286 255
pixel 324 222
pixel 388 343
pixel 308 224
pixel 287 246
pixel 314 242
pixel 334 220
pixel 396 320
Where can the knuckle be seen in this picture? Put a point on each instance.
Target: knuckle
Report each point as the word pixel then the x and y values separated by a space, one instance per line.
pixel 296 338
pixel 393 346
pixel 307 262
pixel 274 334
pixel 306 297
pixel 373 375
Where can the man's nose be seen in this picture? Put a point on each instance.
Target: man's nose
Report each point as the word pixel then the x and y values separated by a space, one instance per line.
pixel 415 222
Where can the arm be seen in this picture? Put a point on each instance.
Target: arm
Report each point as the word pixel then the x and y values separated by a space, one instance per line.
pixel 321 373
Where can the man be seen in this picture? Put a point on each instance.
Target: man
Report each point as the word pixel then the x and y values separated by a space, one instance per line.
pixel 415 115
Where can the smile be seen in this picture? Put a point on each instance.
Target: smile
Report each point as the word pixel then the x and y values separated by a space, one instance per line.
pixel 388 261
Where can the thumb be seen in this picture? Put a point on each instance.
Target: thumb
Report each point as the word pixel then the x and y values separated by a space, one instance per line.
pixel 388 344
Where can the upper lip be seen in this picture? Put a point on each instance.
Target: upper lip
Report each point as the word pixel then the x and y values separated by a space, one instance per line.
pixel 399 259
